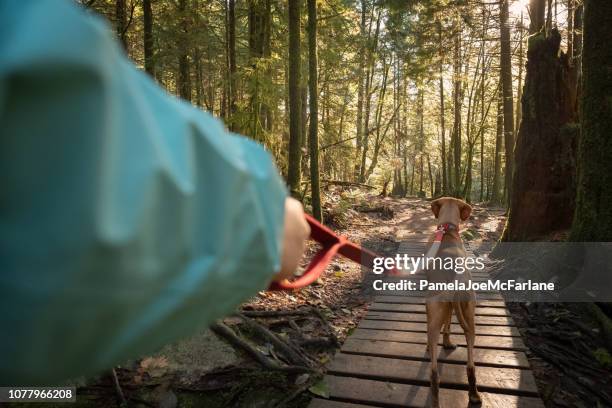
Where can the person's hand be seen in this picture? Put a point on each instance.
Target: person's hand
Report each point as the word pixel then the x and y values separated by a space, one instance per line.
pixel 295 235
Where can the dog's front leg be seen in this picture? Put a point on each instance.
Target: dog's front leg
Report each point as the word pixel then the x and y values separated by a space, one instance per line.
pixel 468 322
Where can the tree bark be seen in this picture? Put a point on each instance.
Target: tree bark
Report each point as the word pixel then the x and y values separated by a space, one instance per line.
pixel 360 88
pixel 259 49
pixel 442 124
pixel 121 22
pixel 231 38
pixel 537 11
pixel 506 75
pixel 313 146
pixel 543 188
pixel 593 220
pixel 482 104
pixel 495 187
pixel 368 95
pixel 458 102
pixel 295 101
pixel 184 80
pixel 147 19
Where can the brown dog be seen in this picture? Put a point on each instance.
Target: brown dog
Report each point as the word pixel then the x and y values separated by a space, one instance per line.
pixel 450 212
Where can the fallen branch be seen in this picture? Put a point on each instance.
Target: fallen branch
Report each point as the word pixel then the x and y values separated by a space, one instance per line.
pixel 343 183
pixel 329 329
pixel 292 355
pixel 384 210
pixel 276 313
pixel 118 390
pixel 228 334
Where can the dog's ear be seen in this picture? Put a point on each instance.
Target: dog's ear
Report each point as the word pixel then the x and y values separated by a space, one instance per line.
pixel 464 211
pixel 435 207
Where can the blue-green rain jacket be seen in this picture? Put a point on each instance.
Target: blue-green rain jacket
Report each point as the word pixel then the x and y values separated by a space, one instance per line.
pixel 128 219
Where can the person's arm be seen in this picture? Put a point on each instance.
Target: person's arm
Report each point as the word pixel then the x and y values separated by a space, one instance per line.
pixel 128 219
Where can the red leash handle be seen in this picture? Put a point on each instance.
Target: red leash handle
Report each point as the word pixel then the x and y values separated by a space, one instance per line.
pixel 332 245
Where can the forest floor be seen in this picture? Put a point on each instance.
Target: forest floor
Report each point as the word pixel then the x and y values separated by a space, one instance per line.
pixel 306 328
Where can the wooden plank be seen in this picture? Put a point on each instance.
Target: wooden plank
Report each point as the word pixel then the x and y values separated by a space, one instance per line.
pixel 321 403
pixel 419 300
pixel 421 294
pixel 485 357
pixel 421 317
pixel 381 393
pixel 491 379
pixel 416 308
pixel 502 343
pixel 418 278
pixel 422 327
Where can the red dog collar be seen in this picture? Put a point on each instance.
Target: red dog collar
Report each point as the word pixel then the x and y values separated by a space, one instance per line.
pixel 443 229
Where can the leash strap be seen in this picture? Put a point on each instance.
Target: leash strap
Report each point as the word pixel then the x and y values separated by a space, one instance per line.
pixel 333 245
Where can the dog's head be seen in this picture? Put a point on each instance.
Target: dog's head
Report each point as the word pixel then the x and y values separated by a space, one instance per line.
pixel 451 210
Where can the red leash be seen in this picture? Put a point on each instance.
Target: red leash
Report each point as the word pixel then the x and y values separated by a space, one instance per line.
pixel 333 244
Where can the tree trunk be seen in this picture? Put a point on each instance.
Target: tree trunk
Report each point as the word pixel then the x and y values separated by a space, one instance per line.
pixel 593 220
pixel 225 96
pixel 495 185
pixel 421 191
pixel 313 146
pixel 431 180
pixel 360 88
pixel 295 101
pixel 259 49
pixel 231 49
pixel 147 19
pixel 506 76
pixel 458 102
pixel 199 88
pixel 537 11
pixel 519 94
pixel 121 22
pixel 184 80
pixel 368 102
pixel 442 124
pixel 543 189
pixel 482 104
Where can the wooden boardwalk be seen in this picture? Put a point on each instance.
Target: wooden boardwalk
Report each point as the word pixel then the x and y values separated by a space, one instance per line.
pixel 384 362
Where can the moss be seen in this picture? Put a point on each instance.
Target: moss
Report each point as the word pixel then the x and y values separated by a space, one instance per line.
pixel 603 357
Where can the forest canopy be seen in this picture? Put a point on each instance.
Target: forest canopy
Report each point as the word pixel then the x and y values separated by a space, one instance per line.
pixel 414 97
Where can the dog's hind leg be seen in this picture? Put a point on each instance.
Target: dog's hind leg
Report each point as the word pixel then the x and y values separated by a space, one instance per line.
pixel 446 341
pixel 436 316
pixel 467 311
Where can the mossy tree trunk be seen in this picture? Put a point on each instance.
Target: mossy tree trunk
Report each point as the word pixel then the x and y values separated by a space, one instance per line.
pixel 593 218
pixel 543 186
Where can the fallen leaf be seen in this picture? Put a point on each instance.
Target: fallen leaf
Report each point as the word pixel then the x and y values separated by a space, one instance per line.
pixel 321 389
pixel 301 379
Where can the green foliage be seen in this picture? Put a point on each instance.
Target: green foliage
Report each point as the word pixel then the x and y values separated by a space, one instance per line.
pixel 404 57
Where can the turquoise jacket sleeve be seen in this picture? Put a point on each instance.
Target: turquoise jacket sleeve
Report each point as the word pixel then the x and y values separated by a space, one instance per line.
pixel 128 219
